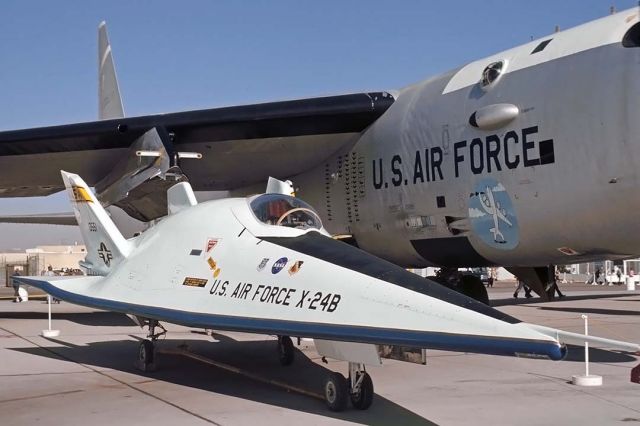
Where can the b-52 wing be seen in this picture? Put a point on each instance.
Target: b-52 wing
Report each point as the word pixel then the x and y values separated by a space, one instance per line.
pixel 51 218
pixel 240 145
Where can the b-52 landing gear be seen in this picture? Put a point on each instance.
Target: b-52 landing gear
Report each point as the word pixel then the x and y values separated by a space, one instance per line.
pixel 468 284
pixel 285 350
pixel 146 350
pixel 358 387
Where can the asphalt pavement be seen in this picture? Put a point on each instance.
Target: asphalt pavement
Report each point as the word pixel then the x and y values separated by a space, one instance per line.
pixel 87 374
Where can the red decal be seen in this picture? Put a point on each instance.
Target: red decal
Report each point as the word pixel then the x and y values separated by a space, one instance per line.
pixel 211 243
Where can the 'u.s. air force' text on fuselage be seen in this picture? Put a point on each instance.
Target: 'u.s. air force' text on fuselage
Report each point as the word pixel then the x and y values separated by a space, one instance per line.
pixel 277 295
pixel 488 154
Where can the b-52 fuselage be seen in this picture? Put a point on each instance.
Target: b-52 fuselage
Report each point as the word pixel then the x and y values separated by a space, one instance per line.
pixel 524 158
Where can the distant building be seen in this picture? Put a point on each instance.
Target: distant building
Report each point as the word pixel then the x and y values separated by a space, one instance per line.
pixel 36 260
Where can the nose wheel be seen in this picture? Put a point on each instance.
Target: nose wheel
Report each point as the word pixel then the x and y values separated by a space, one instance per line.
pixel 146 349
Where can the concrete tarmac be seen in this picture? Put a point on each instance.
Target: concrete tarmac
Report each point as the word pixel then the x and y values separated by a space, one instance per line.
pixel 87 375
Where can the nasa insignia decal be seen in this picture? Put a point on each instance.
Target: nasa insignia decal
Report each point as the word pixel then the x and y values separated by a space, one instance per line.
pixel 279 265
pixel 492 215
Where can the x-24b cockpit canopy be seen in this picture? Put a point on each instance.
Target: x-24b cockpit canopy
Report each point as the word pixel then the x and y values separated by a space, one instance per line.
pixel 284 210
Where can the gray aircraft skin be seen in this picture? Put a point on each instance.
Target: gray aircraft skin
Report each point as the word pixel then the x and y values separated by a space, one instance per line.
pixel 411 188
pixel 522 159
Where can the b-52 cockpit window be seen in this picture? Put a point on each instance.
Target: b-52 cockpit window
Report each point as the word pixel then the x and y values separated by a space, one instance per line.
pixel 492 73
pixel 283 210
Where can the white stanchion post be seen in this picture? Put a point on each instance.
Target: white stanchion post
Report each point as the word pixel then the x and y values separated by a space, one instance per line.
pixel 586 345
pixel 49 332
pixel 587 379
pixel 49 305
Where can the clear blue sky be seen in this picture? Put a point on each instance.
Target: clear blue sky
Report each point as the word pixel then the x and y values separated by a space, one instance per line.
pixel 195 54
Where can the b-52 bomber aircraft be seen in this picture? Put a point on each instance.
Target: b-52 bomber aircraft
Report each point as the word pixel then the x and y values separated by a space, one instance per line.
pixel 504 161
pixel 265 264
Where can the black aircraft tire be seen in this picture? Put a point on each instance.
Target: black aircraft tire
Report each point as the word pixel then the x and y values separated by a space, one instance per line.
pixel 336 392
pixel 285 350
pixel 364 397
pixel 473 287
pixel 145 352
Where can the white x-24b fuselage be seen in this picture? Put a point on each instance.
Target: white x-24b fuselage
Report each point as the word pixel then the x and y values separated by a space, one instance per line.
pixel 215 265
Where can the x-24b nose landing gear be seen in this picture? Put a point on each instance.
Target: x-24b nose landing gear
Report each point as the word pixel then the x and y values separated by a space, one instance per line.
pixel 146 350
pixel 358 387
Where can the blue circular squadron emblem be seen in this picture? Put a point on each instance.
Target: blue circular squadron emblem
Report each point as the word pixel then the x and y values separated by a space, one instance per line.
pixel 279 265
pixel 492 215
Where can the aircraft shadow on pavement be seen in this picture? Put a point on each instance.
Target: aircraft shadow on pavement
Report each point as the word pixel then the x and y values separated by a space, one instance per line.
pixel 257 357
pixel 585 310
pixel 576 353
pixel 536 299
pixel 96 318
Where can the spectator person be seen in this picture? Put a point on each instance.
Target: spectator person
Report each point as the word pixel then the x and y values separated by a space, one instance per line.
pixel 521 285
pixel 50 273
pixel 553 285
pixel 16 286
pixel 591 280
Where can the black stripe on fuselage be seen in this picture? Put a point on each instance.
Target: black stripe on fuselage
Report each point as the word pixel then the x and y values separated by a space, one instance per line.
pixel 341 254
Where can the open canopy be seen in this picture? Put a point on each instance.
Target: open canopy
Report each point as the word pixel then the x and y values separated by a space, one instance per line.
pixel 284 210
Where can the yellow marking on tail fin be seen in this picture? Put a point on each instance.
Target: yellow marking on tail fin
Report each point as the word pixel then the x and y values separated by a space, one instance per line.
pixel 81 195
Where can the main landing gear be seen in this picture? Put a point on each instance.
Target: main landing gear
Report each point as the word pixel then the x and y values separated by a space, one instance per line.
pixel 358 387
pixel 146 350
pixel 285 350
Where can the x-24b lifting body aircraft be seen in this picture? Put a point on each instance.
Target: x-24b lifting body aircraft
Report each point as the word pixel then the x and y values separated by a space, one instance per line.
pixel 265 264
pixel 504 161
